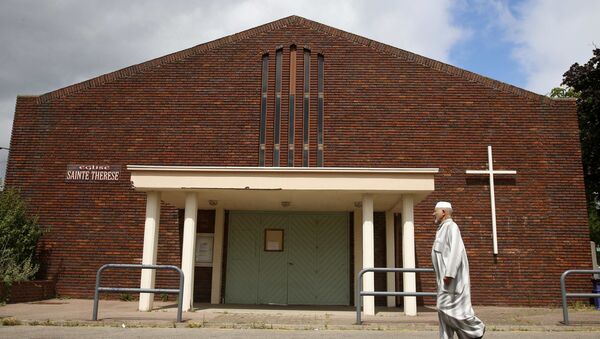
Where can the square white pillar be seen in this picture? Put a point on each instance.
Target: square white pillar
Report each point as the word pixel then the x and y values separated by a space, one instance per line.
pixel 390 256
pixel 368 253
pixel 189 249
pixel 408 253
pixel 151 227
pixel 357 246
pixel 215 293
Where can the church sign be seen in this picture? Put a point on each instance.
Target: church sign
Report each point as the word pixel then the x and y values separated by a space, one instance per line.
pixel 92 173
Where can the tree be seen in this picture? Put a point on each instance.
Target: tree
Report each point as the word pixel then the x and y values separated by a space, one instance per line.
pixel 583 83
pixel 563 92
pixel 19 234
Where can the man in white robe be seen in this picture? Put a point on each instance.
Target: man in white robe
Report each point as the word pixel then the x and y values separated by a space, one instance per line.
pixel 451 267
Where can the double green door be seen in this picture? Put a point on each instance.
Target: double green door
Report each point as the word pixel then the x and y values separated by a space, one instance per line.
pixel 310 268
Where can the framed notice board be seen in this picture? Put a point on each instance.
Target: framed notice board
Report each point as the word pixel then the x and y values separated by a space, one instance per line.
pixel 273 240
pixel 204 249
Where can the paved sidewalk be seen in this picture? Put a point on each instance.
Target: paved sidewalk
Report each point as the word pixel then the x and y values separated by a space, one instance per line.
pixel 74 312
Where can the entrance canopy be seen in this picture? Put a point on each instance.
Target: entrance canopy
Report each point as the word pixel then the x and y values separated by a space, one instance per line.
pixel 362 190
pixel 284 188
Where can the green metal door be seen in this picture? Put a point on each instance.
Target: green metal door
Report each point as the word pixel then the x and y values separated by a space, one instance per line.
pixel 312 269
pixel 302 257
pixel 242 259
pixel 319 260
pixel 272 275
pixel 333 260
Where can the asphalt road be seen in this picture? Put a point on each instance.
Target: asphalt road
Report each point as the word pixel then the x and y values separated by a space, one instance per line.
pixel 36 332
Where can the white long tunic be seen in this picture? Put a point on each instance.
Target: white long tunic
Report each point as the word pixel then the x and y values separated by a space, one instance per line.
pixel 450 260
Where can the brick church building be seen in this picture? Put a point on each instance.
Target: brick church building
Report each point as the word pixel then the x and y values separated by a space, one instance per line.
pixel 273 164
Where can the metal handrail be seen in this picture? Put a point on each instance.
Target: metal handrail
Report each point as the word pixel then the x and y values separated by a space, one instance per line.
pixel 360 293
pixel 99 289
pixel 563 291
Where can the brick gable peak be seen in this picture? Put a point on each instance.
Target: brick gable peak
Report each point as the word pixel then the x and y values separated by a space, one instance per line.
pixel 282 24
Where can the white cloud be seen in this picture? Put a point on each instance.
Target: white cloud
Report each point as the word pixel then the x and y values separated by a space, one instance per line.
pixel 420 27
pixel 65 42
pixel 550 36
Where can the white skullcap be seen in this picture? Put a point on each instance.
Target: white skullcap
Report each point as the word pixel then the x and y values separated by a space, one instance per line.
pixel 443 205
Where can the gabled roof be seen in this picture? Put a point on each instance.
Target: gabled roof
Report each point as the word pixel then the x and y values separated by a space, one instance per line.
pixel 280 24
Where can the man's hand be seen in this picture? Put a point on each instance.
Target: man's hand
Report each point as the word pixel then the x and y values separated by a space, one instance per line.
pixel 448 280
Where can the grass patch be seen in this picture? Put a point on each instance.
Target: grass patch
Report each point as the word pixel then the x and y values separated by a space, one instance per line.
pixel 261 326
pixel 125 297
pixel 10 321
pixel 192 324
pixel 581 306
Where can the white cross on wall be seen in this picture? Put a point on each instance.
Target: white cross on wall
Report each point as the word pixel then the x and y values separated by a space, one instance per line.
pixel 490 171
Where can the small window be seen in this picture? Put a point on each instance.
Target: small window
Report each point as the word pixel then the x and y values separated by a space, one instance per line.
pixel 273 240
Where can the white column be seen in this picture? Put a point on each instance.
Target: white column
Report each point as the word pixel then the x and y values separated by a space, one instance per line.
pixel 215 293
pixel 189 249
pixel 390 259
pixel 357 246
pixel 408 253
pixel 151 227
pixel 368 253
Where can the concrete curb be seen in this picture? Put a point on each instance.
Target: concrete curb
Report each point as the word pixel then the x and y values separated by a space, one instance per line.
pixel 112 313
pixel 399 327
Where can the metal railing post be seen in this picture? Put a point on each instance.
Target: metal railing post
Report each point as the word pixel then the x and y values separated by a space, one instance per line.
pixel 99 289
pixel 96 293
pixel 180 297
pixel 358 298
pixel 360 293
pixel 564 294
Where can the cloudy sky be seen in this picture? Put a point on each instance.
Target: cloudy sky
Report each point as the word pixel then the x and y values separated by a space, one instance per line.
pixel 46 45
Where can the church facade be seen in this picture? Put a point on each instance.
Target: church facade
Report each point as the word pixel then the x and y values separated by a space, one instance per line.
pixel 273 164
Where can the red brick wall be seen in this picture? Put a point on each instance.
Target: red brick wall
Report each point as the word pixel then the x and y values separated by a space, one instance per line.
pixel 381 110
pixel 26 291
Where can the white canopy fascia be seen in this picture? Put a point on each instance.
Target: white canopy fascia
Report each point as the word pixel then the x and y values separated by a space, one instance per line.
pixel 327 188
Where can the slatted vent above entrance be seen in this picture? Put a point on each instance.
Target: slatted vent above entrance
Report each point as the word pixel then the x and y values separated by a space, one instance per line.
pixel 278 119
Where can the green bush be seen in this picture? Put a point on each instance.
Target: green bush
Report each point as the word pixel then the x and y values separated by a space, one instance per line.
pixel 125 297
pixel 19 234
